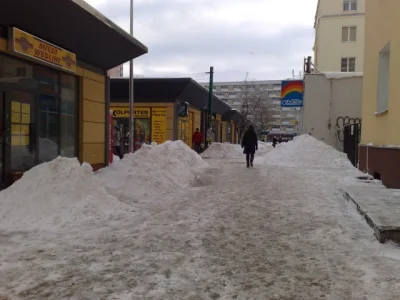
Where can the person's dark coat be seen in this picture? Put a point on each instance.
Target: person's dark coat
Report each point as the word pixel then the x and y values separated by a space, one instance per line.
pixel 250 141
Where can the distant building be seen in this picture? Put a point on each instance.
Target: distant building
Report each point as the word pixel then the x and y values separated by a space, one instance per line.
pixel 280 121
pixel 116 72
pixel 339 36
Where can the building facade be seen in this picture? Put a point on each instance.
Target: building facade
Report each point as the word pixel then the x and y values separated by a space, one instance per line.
pixel 278 120
pixel 331 101
pixel 339 36
pixel 380 139
pixel 54 93
pixel 116 72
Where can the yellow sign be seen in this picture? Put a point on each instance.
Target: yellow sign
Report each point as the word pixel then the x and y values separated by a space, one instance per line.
pixel 158 125
pixel 28 45
pixel 123 112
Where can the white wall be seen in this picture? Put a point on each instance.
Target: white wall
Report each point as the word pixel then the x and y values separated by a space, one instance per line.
pixel 325 100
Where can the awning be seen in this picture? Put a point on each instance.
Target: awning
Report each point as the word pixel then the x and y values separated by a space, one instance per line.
pixel 75 26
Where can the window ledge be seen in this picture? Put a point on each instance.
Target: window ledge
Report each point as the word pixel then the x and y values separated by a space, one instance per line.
pixel 381 113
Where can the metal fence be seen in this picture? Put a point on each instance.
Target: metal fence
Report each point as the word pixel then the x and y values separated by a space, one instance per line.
pixel 352 137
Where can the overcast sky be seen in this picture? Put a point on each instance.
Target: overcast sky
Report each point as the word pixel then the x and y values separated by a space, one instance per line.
pixel 265 38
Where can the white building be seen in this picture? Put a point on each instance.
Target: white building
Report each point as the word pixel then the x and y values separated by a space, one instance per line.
pixel 339 36
pixel 330 101
pixel 279 120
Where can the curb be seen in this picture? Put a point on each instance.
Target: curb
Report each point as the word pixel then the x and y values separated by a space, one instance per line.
pixel 382 233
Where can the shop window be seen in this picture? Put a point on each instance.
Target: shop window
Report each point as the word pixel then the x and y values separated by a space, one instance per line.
pixel 16 72
pixel 47 80
pixel 23 137
pixel 69 116
pixel 48 128
pixel 142 132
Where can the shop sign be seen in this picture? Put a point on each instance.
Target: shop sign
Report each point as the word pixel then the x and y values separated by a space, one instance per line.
pixel 158 125
pixel 292 93
pixel 123 112
pixel 32 47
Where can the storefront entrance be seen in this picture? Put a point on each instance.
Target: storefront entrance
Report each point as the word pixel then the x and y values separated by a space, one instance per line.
pixel 38 116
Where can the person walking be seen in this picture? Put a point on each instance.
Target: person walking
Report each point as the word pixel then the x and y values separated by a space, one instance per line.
pixel 197 139
pixel 274 142
pixel 117 141
pixel 250 145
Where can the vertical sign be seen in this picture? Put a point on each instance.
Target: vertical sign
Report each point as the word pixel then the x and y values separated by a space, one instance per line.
pixel 158 125
pixel 110 138
pixel 292 93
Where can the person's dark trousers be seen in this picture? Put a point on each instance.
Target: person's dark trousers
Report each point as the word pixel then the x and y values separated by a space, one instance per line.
pixel 117 151
pixel 249 159
pixel 197 147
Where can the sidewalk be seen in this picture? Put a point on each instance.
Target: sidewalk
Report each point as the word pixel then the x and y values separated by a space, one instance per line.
pixel 379 206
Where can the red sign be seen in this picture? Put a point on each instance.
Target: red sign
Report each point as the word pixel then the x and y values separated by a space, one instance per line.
pixel 110 138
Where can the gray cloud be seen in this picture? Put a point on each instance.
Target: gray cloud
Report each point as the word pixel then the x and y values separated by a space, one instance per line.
pixel 183 39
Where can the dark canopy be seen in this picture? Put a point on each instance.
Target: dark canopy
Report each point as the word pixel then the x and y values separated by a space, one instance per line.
pixel 166 90
pixel 75 26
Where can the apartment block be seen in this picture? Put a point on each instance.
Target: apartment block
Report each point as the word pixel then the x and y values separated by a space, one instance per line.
pixel 339 36
pixel 279 120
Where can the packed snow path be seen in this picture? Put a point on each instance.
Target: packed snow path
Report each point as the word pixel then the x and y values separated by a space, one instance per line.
pixel 264 233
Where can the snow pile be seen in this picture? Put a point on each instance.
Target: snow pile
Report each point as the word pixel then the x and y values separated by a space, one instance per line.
pixel 57 193
pixel 226 150
pixel 152 170
pixel 264 148
pixel 223 150
pixel 307 151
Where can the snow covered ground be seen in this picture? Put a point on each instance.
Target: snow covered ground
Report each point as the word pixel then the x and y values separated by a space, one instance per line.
pixel 280 230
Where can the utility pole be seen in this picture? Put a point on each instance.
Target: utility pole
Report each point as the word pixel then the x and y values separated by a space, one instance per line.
pixel 210 97
pixel 131 92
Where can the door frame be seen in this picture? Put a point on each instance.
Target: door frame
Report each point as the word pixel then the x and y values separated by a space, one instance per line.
pixel 5 178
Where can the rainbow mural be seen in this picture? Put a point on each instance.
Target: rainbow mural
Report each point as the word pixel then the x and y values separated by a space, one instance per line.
pixel 292 93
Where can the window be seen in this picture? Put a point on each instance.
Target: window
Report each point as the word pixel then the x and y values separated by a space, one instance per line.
pixel 349 33
pixel 383 79
pixel 349 5
pixel 69 116
pixel 48 128
pixel 348 64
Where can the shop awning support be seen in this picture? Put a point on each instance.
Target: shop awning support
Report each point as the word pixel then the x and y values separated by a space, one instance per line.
pixel 131 92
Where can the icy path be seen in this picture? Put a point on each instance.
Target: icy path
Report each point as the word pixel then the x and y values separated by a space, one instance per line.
pixel 262 233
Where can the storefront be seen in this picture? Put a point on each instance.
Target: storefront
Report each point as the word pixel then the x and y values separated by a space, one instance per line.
pixel 150 124
pixel 157 116
pixel 53 101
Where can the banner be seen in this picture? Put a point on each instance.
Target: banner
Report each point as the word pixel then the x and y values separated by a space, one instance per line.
pixel 30 46
pixel 123 112
pixel 158 125
pixel 110 138
pixel 292 93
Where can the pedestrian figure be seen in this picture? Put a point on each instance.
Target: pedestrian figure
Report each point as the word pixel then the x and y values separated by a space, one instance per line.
pixel 197 139
pixel 250 145
pixel 117 142
pixel 280 140
pixel 274 142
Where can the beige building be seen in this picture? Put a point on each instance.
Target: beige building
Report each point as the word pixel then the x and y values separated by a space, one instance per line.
pixel 339 36
pixel 380 138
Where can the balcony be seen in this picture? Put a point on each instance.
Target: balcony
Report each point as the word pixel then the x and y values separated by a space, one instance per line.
pixel 289 129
